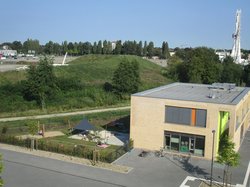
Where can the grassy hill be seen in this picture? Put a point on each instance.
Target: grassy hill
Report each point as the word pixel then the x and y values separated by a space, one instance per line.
pixel 91 72
pixel 98 69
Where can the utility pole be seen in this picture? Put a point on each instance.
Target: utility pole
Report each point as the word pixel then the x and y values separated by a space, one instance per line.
pixel 212 161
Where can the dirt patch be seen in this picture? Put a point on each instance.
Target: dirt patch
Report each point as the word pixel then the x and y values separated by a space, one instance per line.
pixel 53 133
pixel 46 135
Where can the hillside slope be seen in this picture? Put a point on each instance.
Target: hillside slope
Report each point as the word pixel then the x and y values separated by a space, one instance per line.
pixel 81 85
pixel 98 69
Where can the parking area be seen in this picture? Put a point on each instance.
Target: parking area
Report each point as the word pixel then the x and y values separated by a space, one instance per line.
pixel 173 169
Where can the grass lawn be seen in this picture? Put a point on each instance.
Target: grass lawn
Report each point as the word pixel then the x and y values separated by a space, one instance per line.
pixel 69 141
pixel 62 123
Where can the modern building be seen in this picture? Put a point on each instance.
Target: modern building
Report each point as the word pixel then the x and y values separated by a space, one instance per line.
pixel 7 52
pixel 180 117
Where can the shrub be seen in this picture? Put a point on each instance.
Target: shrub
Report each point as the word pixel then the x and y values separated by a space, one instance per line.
pixel 107 87
pixel 4 129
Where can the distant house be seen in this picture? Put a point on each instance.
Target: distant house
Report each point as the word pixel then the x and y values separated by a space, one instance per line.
pixel 180 117
pixel 6 51
pixel 113 45
pixel 171 52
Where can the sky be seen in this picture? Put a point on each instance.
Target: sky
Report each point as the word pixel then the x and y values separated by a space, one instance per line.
pixel 182 23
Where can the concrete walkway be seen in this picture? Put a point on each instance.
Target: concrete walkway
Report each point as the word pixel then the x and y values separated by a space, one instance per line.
pixel 63 114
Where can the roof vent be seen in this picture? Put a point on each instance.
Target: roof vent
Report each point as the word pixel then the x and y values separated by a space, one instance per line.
pixel 222 86
pixel 212 96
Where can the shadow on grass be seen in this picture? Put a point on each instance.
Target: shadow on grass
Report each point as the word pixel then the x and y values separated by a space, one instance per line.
pixel 119 125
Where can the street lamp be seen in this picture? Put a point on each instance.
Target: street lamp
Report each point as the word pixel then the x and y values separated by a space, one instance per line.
pixel 212 161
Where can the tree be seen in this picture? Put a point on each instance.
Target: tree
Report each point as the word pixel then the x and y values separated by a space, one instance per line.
pixel 203 65
pixel 57 49
pixel 99 47
pixel 48 48
pixel 94 48
pixel 150 49
pixel 84 48
pixel 165 50
pixel 109 48
pixel 31 45
pixel 139 50
pixel 17 45
pixel 126 77
pixel 70 48
pixel 232 73
pixel 105 47
pixel 199 65
pixel 118 47
pixel 246 75
pixel 41 82
pixel 145 49
pixel 227 156
pixel 65 47
pixel 1 170
pixel 175 69
pixel 33 129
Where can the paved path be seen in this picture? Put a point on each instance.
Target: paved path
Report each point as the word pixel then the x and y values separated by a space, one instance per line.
pixel 63 114
pixel 28 171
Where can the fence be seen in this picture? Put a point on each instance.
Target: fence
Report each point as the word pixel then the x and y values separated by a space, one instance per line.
pixel 82 151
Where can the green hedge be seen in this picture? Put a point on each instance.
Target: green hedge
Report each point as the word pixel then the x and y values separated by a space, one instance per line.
pixel 106 155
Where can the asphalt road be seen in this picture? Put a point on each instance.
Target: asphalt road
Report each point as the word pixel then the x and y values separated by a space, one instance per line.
pixel 29 171
pixel 23 170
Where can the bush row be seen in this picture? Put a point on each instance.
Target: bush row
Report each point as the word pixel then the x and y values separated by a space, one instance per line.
pixel 106 155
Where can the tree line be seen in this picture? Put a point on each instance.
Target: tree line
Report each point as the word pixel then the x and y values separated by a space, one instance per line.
pixel 202 65
pixel 101 47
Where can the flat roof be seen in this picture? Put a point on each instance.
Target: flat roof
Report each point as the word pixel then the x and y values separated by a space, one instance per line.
pixel 218 93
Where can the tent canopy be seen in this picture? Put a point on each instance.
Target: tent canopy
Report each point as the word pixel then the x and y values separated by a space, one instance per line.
pixel 84 125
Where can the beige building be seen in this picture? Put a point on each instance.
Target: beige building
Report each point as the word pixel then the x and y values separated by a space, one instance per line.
pixel 180 117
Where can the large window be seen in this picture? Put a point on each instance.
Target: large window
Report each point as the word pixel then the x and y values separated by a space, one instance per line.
pixel 200 118
pixel 185 116
pixel 175 142
pixel 185 143
pixel 178 115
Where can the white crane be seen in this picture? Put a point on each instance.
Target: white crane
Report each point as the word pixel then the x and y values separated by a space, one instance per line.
pixel 236 52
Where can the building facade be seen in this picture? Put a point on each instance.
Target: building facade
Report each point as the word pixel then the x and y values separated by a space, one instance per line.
pixel 180 117
pixel 7 52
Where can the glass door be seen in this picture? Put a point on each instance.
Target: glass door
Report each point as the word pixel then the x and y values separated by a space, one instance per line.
pixel 167 141
pixel 191 145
